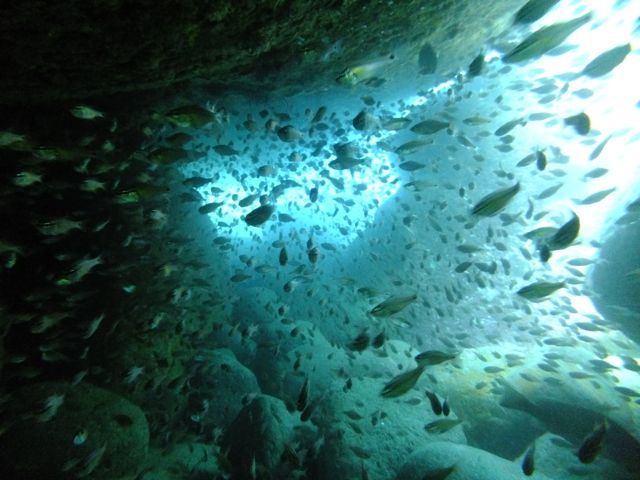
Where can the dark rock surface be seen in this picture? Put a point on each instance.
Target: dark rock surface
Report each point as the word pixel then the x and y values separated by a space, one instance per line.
pixel 257 437
pixel 52 51
pixel 92 432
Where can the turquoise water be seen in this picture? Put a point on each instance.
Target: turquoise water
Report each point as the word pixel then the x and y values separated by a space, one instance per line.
pixel 247 299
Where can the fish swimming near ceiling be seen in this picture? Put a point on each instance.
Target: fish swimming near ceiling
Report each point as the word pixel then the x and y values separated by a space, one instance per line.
pixel 429 127
pixel 534 10
pixel 367 71
pixel 545 39
pixel 190 116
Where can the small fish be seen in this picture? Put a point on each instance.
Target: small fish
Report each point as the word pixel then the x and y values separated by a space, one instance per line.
pixel 411 146
pixel 494 202
pixel 446 409
pixel 313 195
pixel 378 340
pixel 90 462
pixel 364 121
pixel 627 392
pixel 239 277
pixel 303 396
pixel 190 116
pixel 197 182
pixel 528 460
pixel 581 123
pixel 508 126
pixel 534 10
pixel 86 112
pixel 395 123
pixel 476 66
pixel 345 163
pixel 311 406
pixel 259 215
pixel 595 197
pixel 598 150
pixel 392 305
pixel 360 343
pixel 285 218
pixel 566 234
pixel 539 290
pixel 468 248
pixel 401 384
pixel 210 207
pixel 436 406
pixel 592 444
pixel 541 160
pixel 442 426
pixel 93 326
pixel 59 226
pixel 289 134
pixel 353 75
pixel 91 185
pixel 607 61
pixel 313 254
pixel 544 39
pixel 80 437
pixel 463 267
pixel 427 59
pixel 26 179
pixel 225 150
pixel 434 357
pixel 549 192
pixel 411 166
pixel 319 114
pixel 596 173
pixel 248 200
pixel 283 257
pixel 429 127
pixel 8 139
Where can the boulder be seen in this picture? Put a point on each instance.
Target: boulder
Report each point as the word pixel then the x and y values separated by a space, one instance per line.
pixel 468 463
pixel 556 458
pixel 182 460
pixel 218 389
pixel 257 438
pixel 59 431
pixel 573 408
pixel 363 430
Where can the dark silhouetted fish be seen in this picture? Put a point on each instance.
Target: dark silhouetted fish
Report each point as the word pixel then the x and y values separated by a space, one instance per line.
pixel 592 444
pixel 545 39
pixel 436 406
pixel 607 61
pixel 427 59
pixel 534 10
pixel 528 460
pixel 259 215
